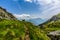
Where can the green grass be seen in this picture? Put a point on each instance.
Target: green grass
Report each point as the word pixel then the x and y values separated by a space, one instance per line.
pixel 51 26
pixel 53 29
pixel 16 30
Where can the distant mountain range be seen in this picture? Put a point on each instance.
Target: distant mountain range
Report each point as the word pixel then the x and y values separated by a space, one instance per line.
pixel 37 21
pixel 34 20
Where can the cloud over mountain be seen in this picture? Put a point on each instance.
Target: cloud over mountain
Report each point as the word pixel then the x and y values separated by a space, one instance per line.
pixel 25 16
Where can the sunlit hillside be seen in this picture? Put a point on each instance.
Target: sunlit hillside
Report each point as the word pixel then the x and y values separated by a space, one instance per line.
pixel 20 30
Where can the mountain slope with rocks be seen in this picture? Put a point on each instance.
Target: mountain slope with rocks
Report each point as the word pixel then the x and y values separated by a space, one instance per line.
pixel 12 29
pixel 6 15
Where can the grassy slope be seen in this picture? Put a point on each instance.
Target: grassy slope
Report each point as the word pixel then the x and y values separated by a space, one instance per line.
pixel 52 26
pixel 20 30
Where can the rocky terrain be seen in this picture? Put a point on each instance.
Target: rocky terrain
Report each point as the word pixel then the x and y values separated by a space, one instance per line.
pixel 6 15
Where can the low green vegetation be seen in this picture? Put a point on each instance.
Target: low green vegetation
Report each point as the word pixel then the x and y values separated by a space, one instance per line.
pixel 51 26
pixel 20 30
pixel 13 29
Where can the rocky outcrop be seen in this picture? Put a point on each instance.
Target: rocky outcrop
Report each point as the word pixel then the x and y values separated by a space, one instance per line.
pixel 54 35
pixel 6 15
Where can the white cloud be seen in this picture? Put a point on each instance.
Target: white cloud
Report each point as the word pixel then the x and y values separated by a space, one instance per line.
pixel 24 16
pixel 40 1
pixel 53 10
pixel 49 13
pixel 45 2
pixel 29 1
pixel 49 7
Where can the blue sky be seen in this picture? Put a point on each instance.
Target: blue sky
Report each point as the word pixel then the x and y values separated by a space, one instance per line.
pixel 33 8
pixel 20 7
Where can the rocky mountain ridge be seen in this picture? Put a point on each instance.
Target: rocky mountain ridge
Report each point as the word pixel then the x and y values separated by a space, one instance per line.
pixel 6 15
